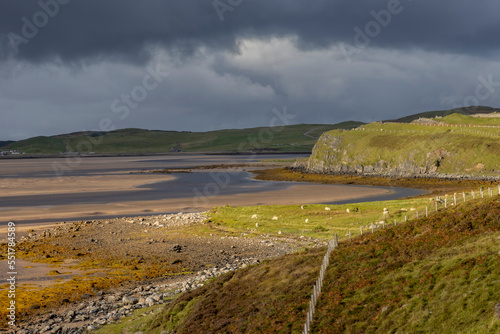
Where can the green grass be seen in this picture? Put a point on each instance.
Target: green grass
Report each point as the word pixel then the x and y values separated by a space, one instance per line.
pixel 464 119
pixel 409 148
pixel 288 138
pixel 322 224
pixel 134 323
pixel 432 275
pixel 259 299
pixel 443 113
pixel 38 145
pixel 458 290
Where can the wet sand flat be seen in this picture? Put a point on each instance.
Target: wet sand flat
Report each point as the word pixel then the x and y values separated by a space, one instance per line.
pixel 296 194
pixel 32 195
pixel 76 184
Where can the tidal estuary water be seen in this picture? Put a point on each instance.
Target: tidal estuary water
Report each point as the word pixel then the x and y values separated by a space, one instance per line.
pixel 199 189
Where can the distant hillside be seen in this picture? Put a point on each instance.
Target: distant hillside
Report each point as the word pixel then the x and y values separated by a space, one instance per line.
pixel 412 149
pixel 39 144
pixel 6 143
pixel 292 138
pixel 442 113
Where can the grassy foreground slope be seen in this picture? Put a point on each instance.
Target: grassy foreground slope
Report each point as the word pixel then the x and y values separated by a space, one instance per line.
pixel 436 274
pixel 301 137
pixel 411 149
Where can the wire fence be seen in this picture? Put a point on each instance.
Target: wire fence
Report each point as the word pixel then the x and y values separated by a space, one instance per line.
pixel 441 202
pixel 319 283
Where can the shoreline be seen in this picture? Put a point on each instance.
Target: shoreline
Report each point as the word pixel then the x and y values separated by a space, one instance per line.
pixel 435 186
pixel 189 260
pixel 145 154
pixel 95 234
pixel 291 195
pixel 312 191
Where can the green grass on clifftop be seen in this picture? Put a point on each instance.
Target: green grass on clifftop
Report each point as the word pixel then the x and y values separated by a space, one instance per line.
pixel 411 149
pixel 442 113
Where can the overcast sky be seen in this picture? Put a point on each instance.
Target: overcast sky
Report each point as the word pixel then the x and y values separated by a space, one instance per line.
pixel 199 65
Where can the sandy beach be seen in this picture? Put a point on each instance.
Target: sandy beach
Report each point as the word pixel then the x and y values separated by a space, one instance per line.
pixel 297 194
pixel 33 182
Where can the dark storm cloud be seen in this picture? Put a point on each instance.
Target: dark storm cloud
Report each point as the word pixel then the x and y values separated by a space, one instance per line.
pixel 72 65
pixel 93 29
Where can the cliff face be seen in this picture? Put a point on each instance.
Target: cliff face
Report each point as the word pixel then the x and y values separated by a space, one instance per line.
pixel 407 150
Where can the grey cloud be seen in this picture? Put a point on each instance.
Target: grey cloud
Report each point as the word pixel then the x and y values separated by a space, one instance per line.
pixel 121 29
pixel 231 74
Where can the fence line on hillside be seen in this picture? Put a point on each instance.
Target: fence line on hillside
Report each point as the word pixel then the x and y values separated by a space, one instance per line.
pixel 334 243
pixel 440 202
pixel 465 129
pixel 319 284
pixel 450 125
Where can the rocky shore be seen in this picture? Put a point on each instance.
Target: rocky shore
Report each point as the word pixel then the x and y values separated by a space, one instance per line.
pixel 371 171
pixel 112 306
pixel 144 239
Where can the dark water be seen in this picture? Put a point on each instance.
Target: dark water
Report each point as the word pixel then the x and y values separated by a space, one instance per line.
pixel 185 185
